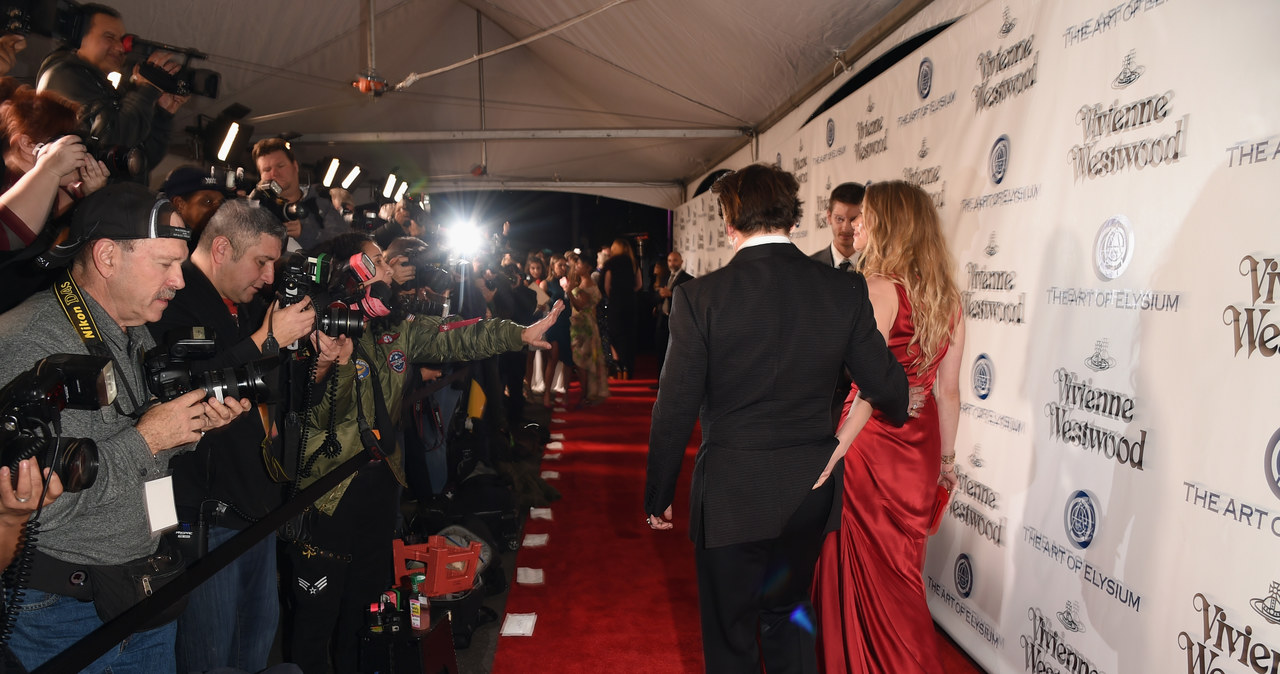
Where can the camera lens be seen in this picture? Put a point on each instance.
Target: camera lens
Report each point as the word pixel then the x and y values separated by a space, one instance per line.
pixel 341 321
pixel 75 460
pixel 235 382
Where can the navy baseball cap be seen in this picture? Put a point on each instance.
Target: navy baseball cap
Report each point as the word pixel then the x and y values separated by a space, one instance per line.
pixel 185 180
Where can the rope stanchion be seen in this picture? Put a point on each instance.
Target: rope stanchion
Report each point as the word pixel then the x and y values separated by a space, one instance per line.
pixel 92 646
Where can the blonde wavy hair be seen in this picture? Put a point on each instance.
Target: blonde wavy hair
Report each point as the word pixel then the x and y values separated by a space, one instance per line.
pixel 905 245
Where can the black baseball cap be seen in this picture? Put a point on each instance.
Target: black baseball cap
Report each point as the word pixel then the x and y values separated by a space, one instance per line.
pixel 121 212
pixel 185 180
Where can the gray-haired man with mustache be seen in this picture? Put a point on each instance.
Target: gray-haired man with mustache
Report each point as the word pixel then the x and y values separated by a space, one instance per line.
pixel 126 249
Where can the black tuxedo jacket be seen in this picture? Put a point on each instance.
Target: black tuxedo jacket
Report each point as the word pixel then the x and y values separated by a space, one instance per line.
pixel 824 256
pixel 756 349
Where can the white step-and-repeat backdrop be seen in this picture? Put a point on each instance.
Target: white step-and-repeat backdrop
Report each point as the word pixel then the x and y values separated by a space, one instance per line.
pixel 1108 174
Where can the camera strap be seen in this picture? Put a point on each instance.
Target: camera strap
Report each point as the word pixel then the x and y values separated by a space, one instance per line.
pixel 385 429
pixel 73 305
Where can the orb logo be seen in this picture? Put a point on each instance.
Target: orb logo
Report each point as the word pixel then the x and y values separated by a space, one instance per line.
pixel 1081 519
pixel 924 78
pixel 998 161
pixel 1113 248
pixel 964 576
pixel 982 376
pixel 1273 463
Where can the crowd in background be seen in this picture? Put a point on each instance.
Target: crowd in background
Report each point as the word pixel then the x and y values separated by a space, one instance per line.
pixel 243 257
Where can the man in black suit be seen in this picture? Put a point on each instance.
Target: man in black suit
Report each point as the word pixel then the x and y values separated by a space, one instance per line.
pixel 756 348
pixel 844 215
pixel 661 333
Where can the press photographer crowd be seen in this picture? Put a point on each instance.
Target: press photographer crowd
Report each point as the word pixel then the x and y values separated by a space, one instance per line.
pixel 221 395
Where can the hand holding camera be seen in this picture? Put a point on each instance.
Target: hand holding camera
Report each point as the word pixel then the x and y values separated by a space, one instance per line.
pixel 61 157
pixel 289 322
pixel 158 71
pixel 19 492
pixel 187 418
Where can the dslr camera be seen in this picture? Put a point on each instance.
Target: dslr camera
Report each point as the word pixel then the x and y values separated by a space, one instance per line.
pixel 31 411
pixel 268 194
pixel 123 161
pixel 342 303
pixel 173 369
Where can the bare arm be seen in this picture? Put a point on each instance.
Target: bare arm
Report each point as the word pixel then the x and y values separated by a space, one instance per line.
pixel 946 390
pixel 859 413
pixel 33 195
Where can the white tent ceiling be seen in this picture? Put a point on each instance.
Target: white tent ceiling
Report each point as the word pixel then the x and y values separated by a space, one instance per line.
pixel 704 73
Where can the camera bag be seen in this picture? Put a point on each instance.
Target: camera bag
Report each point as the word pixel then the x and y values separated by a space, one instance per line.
pixel 115 588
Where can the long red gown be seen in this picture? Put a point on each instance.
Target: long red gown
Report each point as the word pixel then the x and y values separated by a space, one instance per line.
pixel 869 592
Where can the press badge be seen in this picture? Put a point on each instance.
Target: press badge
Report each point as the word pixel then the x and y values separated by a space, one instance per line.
pixel 162 511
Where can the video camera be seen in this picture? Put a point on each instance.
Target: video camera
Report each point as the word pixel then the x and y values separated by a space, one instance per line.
pixel 268 194
pixel 187 81
pixel 30 416
pixel 171 369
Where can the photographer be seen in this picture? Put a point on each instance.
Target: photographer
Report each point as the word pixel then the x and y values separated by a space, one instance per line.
pixel 229 481
pixel 137 114
pixel 318 220
pixel 45 169
pixel 127 247
pixel 343 563
pixel 407 219
pixel 196 196
pixel 45 172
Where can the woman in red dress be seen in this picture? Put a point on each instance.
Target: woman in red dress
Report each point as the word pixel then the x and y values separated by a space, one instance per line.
pixel 868 590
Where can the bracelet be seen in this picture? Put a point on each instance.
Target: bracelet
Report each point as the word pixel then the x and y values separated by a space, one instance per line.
pixel 948 459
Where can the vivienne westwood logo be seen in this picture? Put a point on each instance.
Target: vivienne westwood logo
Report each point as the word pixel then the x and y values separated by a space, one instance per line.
pixel 1100 360
pixel 991 248
pixel 924 148
pixel 975 459
pixel 801 149
pixel 828 183
pixel 871 105
pixel 1268 607
pixel 1009 23
pixel 1129 73
pixel 1069 617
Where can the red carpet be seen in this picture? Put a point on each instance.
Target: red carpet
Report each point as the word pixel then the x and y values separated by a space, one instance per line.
pixel 617 597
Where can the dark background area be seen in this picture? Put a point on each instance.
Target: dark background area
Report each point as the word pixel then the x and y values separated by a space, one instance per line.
pixel 559 221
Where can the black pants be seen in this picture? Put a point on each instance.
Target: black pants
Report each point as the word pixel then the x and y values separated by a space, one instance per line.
pixel 327 597
pixel 762 588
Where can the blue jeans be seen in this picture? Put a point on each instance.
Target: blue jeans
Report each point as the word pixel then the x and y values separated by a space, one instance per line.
pixel 49 624
pixel 231 618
